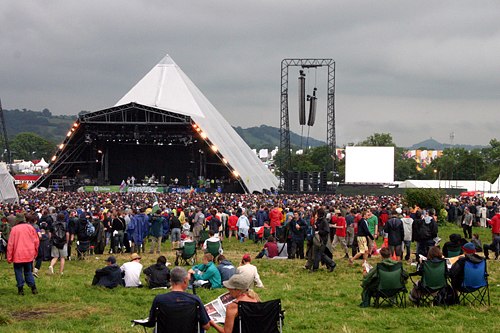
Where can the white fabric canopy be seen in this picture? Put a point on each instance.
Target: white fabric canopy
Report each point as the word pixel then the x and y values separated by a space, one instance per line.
pixel 168 88
pixel 8 192
pixel 42 164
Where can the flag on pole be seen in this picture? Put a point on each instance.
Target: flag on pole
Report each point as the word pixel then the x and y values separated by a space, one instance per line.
pixel 156 205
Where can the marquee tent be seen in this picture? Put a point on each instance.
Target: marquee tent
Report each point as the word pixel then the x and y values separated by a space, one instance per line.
pixel 8 192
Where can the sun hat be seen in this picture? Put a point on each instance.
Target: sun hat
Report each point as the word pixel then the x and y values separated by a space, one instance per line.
pixel 134 256
pixel 237 281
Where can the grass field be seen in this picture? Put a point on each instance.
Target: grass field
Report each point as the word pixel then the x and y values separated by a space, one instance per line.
pixel 314 302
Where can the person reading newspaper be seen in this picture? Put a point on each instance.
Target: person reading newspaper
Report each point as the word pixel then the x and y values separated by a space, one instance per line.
pixel 237 286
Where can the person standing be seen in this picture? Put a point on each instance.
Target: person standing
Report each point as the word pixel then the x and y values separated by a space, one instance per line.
pixel 407 227
pixel 495 224
pixel 395 235
pixel 341 233
pixel 156 232
pixel 298 229
pixel 363 234
pixel 59 241
pixel 22 249
pixel 320 240
pixel 467 220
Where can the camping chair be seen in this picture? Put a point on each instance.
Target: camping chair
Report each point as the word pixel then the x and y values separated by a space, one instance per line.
pixel 475 287
pixel 265 317
pixel 454 251
pixel 187 254
pixel 214 248
pixel 391 285
pixel 179 318
pixel 433 286
pixel 267 233
pixel 203 236
pixel 83 249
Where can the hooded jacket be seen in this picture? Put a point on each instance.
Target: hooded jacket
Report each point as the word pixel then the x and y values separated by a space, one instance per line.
pixel 158 275
pixel 23 244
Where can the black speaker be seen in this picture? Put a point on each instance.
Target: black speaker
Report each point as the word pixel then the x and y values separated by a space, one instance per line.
pixel 315 181
pixel 322 181
pixel 305 181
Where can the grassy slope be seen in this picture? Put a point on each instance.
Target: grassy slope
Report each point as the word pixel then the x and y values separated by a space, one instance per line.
pixel 317 302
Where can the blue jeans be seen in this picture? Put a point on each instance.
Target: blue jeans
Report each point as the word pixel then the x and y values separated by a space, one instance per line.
pixel 24 269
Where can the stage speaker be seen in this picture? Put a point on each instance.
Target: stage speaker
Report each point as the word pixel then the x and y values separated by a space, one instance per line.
pixel 322 181
pixel 315 181
pixel 302 98
pixel 305 181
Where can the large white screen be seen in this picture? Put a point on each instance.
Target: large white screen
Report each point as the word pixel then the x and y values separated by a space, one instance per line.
pixel 369 165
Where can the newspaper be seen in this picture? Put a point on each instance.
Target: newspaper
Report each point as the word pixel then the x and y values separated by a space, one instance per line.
pixel 216 309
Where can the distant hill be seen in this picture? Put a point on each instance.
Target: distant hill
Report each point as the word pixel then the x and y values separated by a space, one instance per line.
pixel 43 123
pixel 269 137
pixel 432 144
pixel 54 128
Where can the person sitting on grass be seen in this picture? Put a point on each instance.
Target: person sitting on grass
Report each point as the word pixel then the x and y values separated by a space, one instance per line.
pixel 206 274
pixel 158 275
pixel 270 249
pixel 225 267
pixel 109 276
pixel 132 271
pixel 250 271
pixel 370 281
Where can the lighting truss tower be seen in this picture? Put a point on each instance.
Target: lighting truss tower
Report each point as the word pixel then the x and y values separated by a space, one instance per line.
pixel 4 134
pixel 286 161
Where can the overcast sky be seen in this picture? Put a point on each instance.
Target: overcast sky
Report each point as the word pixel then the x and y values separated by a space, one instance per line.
pixel 416 69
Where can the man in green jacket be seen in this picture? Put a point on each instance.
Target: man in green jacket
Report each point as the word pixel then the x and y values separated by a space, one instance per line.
pixel 206 275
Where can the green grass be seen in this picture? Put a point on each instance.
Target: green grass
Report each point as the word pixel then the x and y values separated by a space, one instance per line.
pixel 314 302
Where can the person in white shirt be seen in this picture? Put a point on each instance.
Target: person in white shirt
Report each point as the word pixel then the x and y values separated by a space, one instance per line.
pixel 212 238
pixel 132 271
pixel 250 272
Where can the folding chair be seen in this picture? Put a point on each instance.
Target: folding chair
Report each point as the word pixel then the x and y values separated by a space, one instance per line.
pixel 83 249
pixel 265 317
pixel 214 248
pixel 475 287
pixel 391 287
pixel 454 252
pixel 179 318
pixel 203 236
pixel 433 286
pixel 186 254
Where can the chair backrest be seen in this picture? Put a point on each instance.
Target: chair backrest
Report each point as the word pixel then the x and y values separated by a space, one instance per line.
pixel 454 252
pixel 203 236
pixel 434 274
pixel 179 318
pixel 262 317
pixel 267 232
pixel 189 250
pixel 475 275
pixel 390 276
pixel 213 248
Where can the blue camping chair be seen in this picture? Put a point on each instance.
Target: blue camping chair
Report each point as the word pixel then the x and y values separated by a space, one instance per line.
pixel 475 287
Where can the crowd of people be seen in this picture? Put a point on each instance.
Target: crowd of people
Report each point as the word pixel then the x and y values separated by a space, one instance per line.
pixel 61 226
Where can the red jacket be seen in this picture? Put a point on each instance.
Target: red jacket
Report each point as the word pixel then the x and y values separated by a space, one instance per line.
pixel 275 218
pixel 23 244
pixel 494 222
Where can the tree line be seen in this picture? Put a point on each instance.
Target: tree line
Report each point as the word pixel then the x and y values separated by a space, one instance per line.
pixel 454 164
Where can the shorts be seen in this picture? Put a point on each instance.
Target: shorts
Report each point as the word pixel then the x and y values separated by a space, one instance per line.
pixel 59 253
pixel 362 244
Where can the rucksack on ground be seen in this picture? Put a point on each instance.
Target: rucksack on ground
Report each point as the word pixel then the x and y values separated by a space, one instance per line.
pixel 59 235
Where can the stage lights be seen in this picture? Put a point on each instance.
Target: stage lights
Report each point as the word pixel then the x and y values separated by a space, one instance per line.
pixel 53 158
pixel 61 146
pixel 214 148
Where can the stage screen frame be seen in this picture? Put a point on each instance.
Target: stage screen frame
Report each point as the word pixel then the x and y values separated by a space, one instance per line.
pixel 372 165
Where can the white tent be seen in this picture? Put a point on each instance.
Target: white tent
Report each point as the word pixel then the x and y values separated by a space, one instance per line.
pixel 42 164
pixel 468 185
pixel 8 192
pixel 168 88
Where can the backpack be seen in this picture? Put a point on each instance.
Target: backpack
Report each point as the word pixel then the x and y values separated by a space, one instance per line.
pixel 59 235
pixel 90 229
